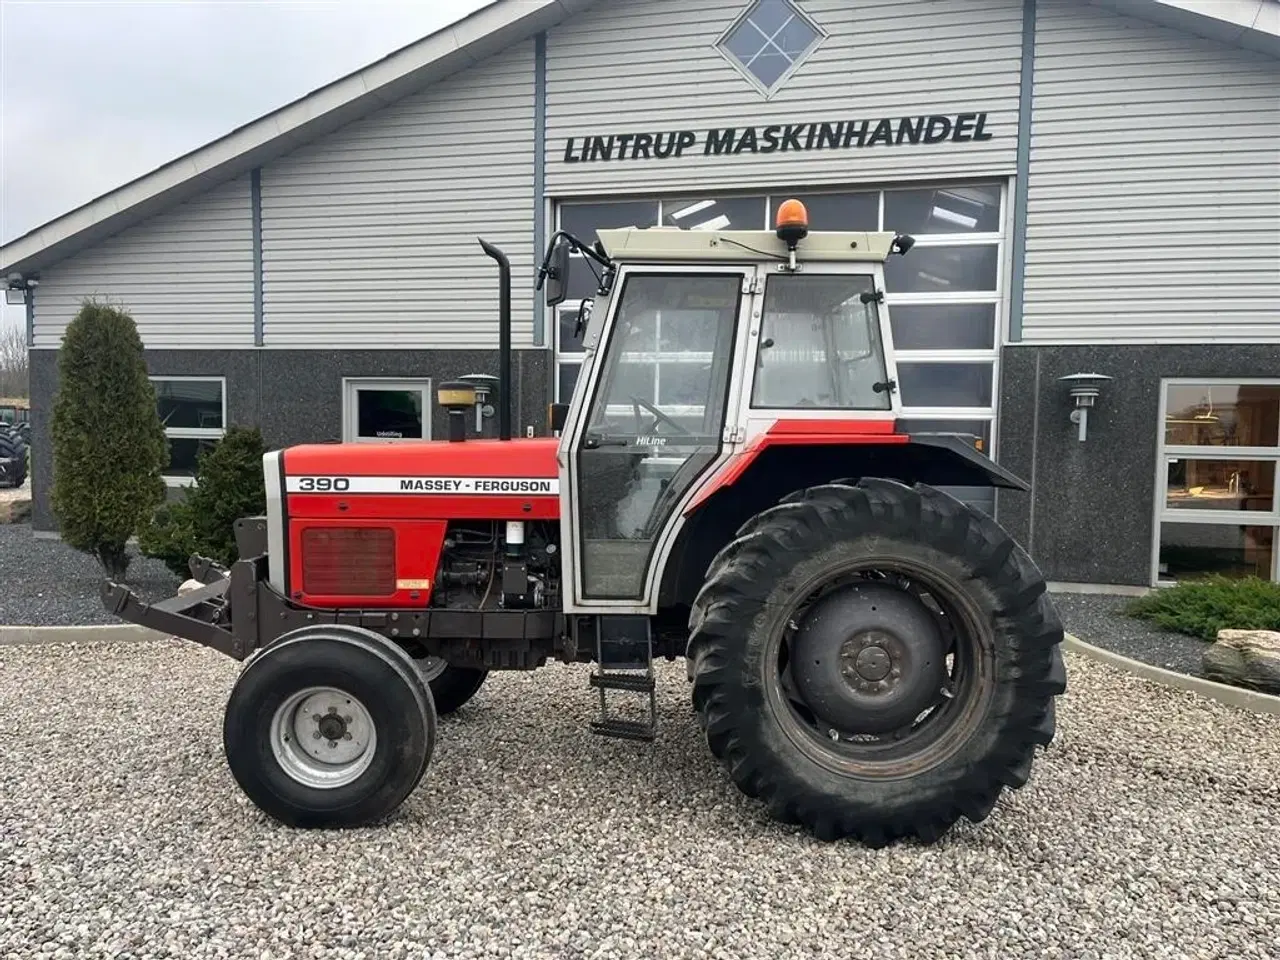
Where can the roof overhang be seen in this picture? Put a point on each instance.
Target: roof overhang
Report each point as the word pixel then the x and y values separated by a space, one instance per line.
pixel 488 31
pixel 1251 24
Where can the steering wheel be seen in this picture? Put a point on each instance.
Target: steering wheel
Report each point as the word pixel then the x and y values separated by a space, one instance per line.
pixel 658 415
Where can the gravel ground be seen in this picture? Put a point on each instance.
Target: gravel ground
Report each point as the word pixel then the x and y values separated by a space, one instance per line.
pixel 1147 831
pixel 1097 619
pixel 48 584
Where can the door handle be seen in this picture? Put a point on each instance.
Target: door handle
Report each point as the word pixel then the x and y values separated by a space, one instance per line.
pixel 591 443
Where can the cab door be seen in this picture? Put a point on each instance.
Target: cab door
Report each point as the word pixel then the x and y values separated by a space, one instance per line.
pixel 648 424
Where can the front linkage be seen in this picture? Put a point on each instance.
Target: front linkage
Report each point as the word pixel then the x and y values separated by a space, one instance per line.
pixel 236 612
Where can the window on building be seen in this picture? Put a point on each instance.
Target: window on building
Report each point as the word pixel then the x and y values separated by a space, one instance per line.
pixel 945 301
pixel 769 41
pixel 962 210
pixel 584 221
pixel 386 411
pixel 193 411
pixel 722 213
pixel 1216 505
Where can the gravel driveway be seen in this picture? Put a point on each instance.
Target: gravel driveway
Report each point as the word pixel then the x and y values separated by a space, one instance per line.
pixel 1100 620
pixel 1148 831
pixel 48 584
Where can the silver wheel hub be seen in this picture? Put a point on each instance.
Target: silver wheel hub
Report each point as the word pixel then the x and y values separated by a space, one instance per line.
pixel 323 737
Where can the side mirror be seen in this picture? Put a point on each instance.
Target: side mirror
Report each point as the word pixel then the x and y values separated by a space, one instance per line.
pixel 558 274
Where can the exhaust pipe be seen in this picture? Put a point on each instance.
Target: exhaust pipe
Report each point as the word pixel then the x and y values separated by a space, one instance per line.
pixel 504 339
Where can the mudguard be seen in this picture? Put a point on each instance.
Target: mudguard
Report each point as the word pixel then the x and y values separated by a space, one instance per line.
pixel 954 462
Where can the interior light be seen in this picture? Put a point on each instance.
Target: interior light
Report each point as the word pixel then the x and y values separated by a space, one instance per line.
pixel 950 216
pixel 717 223
pixel 692 209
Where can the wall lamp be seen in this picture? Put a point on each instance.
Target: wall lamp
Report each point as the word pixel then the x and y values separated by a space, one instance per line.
pixel 15 289
pixel 1085 388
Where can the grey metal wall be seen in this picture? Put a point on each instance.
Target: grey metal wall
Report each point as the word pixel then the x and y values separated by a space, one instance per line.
pixel 651 66
pixel 185 275
pixel 369 235
pixel 1154 195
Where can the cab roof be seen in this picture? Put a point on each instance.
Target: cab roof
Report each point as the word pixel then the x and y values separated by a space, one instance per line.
pixel 637 244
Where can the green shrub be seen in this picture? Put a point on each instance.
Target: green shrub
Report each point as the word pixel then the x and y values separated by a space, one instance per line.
pixel 168 537
pixel 108 442
pixel 1202 608
pixel 229 486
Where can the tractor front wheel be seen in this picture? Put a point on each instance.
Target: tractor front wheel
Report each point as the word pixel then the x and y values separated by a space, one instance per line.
pixel 330 726
pixel 875 661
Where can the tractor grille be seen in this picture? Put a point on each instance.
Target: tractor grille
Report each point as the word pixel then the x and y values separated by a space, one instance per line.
pixel 349 561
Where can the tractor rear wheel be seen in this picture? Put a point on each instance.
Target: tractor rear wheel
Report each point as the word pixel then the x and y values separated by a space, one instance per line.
pixel 451 687
pixel 329 726
pixel 875 661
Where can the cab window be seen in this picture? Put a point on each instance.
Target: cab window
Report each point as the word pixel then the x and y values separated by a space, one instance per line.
pixel 820 345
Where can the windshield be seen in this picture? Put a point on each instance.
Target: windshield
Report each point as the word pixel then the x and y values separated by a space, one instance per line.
pixel 820 345
pixel 668 365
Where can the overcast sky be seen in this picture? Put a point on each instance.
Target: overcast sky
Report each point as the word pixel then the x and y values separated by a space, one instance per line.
pixel 96 92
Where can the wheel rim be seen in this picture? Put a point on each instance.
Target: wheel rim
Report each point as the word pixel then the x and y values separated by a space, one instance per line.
pixel 881 669
pixel 323 737
pixel 432 667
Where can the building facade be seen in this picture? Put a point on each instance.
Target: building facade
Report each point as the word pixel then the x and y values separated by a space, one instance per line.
pixel 1094 188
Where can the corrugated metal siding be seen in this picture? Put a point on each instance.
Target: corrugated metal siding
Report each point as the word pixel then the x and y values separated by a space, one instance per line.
pixel 369 235
pixel 185 276
pixel 651 66
pixel 1154 195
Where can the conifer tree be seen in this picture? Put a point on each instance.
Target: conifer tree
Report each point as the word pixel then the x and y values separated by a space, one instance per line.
pixel 109 446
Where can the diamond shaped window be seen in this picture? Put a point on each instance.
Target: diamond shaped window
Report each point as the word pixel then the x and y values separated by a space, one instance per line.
pixel 769 41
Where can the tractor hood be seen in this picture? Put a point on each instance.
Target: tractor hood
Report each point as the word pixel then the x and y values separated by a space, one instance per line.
pixel 480 479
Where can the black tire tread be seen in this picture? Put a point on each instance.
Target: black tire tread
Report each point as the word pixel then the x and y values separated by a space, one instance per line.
pixel 374 807
pixel 746 572
pixel 455 687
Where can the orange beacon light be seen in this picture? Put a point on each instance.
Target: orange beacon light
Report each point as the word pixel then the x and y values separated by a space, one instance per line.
pixel 792 225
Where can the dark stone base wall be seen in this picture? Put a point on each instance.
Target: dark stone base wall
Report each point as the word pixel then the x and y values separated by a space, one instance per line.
pixel 295 396
pixel 1090 518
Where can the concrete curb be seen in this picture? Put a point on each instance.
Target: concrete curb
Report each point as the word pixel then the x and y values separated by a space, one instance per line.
pixel 1221 692
pixel 112 633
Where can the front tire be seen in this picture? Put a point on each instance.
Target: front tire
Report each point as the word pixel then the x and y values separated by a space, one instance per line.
pixel 329 727
pixel 875 661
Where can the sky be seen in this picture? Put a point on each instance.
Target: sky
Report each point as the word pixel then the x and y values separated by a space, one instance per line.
pixel 94 93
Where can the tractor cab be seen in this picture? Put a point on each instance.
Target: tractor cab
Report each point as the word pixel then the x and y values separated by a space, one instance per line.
pixel 699 346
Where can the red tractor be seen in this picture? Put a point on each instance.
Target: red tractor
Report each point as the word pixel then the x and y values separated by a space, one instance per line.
pixel 869 656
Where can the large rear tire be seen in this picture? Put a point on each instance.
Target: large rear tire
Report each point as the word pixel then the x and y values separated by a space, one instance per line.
pixel 875 661
pixel 330 726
